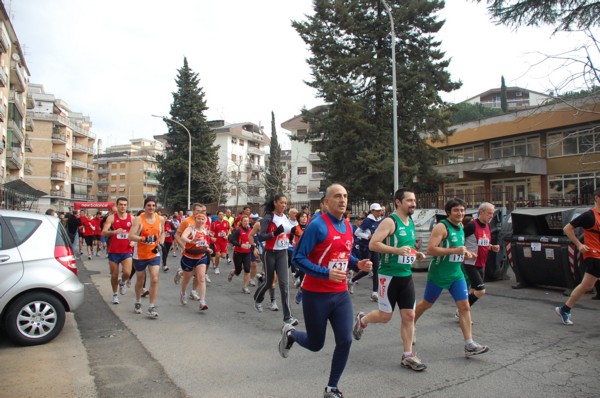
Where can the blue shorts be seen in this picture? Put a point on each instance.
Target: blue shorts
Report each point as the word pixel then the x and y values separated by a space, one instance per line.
pixel 118 257
pixel 458 290
pixel 188 264
pixel 140 265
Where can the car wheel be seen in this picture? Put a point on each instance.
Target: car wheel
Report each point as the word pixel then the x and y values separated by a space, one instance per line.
pixel 35 318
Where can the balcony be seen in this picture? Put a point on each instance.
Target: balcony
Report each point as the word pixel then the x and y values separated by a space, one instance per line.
pixel 58 138
pixel 17 100
pixel 58 175
pixel 4 39
pixel 91 198
pixel 514 164
pixel 102 194
pixel 16 130
pixel 14 158
pixel 77 147
pixel 80 180
pixel 27 169
pixel 3 77
pixel 79 196
pixel 152 181
pixel 17 77
pixel 314 157
pixel 253 167
pixel 103 170
pixel 29 125
pixel 65 122
pixel 28 147
pixel 255 151
pixel 2 112
pixel 59 194
pixel 58 157
pixel 318 176
pixel 75 163
pixel 102 181
pixel 315 195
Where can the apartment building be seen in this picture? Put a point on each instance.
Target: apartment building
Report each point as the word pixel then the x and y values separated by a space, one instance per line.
pixel 548 155
pixel 242 160
pixel 14 78
pixel 305 173
pixel 516 97
pixel 62 163
pixel 129 170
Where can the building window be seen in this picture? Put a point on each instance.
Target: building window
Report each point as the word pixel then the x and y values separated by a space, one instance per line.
pixel 233 191
pixel 573 186
pixel 301 189
pixel 301 170
pixel 301 133
pixel 528 146
pixel 233 140
pixel 233 157
pixel 241 142
pixel 463 154
pixel 574 142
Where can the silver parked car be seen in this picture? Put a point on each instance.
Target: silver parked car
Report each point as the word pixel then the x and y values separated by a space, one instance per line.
pixel 38 277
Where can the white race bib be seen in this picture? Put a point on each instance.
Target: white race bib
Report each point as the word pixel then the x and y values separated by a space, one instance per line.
pixel 483 241
pixel 341 264
pixel 408 259
pixel 222 234
pixel 122 236
pixel 457 258
pixel 282 241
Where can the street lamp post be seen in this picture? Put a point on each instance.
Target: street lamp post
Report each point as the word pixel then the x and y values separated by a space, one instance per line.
pixel 394 92
pixel 166 119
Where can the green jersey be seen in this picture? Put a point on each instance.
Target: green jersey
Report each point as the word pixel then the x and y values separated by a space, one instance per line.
pixel 445 270
pixel 404 235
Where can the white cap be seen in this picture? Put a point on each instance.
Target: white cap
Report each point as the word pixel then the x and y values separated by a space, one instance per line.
pixel 254 215
pixel 375 206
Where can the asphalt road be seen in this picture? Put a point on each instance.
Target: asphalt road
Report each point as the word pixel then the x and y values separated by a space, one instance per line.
pixel 231 351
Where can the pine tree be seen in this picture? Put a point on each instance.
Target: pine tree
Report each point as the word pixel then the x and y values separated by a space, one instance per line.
pixel 503 96
pixel 188 108
pixel 351 45
pixel 274 177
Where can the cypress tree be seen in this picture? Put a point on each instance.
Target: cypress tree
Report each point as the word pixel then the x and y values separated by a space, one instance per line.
pixel 503 96
pixel 275 174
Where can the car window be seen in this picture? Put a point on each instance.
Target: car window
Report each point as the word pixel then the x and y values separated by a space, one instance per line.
pixel 23 228
pixel 1 237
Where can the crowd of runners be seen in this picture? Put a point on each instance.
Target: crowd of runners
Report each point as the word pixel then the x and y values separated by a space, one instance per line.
pixel 323 255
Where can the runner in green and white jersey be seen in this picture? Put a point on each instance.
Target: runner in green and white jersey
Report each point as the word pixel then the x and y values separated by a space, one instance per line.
pixel 447 245
pixel 395 238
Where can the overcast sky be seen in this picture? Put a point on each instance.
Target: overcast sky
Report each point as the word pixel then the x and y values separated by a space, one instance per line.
pixel 117 61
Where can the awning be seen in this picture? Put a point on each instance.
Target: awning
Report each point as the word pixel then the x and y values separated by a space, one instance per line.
pixel 21 187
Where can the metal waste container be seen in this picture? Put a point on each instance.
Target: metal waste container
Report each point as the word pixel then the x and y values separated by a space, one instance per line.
pixel 538 251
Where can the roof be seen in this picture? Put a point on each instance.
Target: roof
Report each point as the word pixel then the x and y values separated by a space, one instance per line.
pixel 498 89
pixel 21 187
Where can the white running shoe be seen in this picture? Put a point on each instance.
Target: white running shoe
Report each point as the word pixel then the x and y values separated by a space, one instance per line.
pixel 207 278
pixel 122 288
pixel 152 312
pixel 217 271
pixel 115 299
pixel 273 306
pixel 202 305
pixel 194 295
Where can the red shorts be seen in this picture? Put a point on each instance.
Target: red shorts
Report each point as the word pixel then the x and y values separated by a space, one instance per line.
pixel 221 246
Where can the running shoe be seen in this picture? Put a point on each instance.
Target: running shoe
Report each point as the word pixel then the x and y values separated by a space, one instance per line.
pixel 260 277
pixel 217 271
pixel 202 305
pixel 97 254
pixel 413 362
pixel 145 293
pixel 475 349
pixel 89 257
pixel 334 393
pixel 286 342
pixel 228 261
pixel 182 298
pixel 564 316
pixel 115 299
pixel 152 312
pixel 166 268
pixel 456 317
pixel 298 296
pixel 297 282
pixel 230 276
pixel 374 297
pixel 207 279
pixel 351 286
pixel 194 295
pixel 252 283
pixel 137 308
pixel 122 288
pixel 358 329
pixel 292 321
pixel 245 290
pixel 273 306
pixel 177 277
pixel 174 254
pixel 258 306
